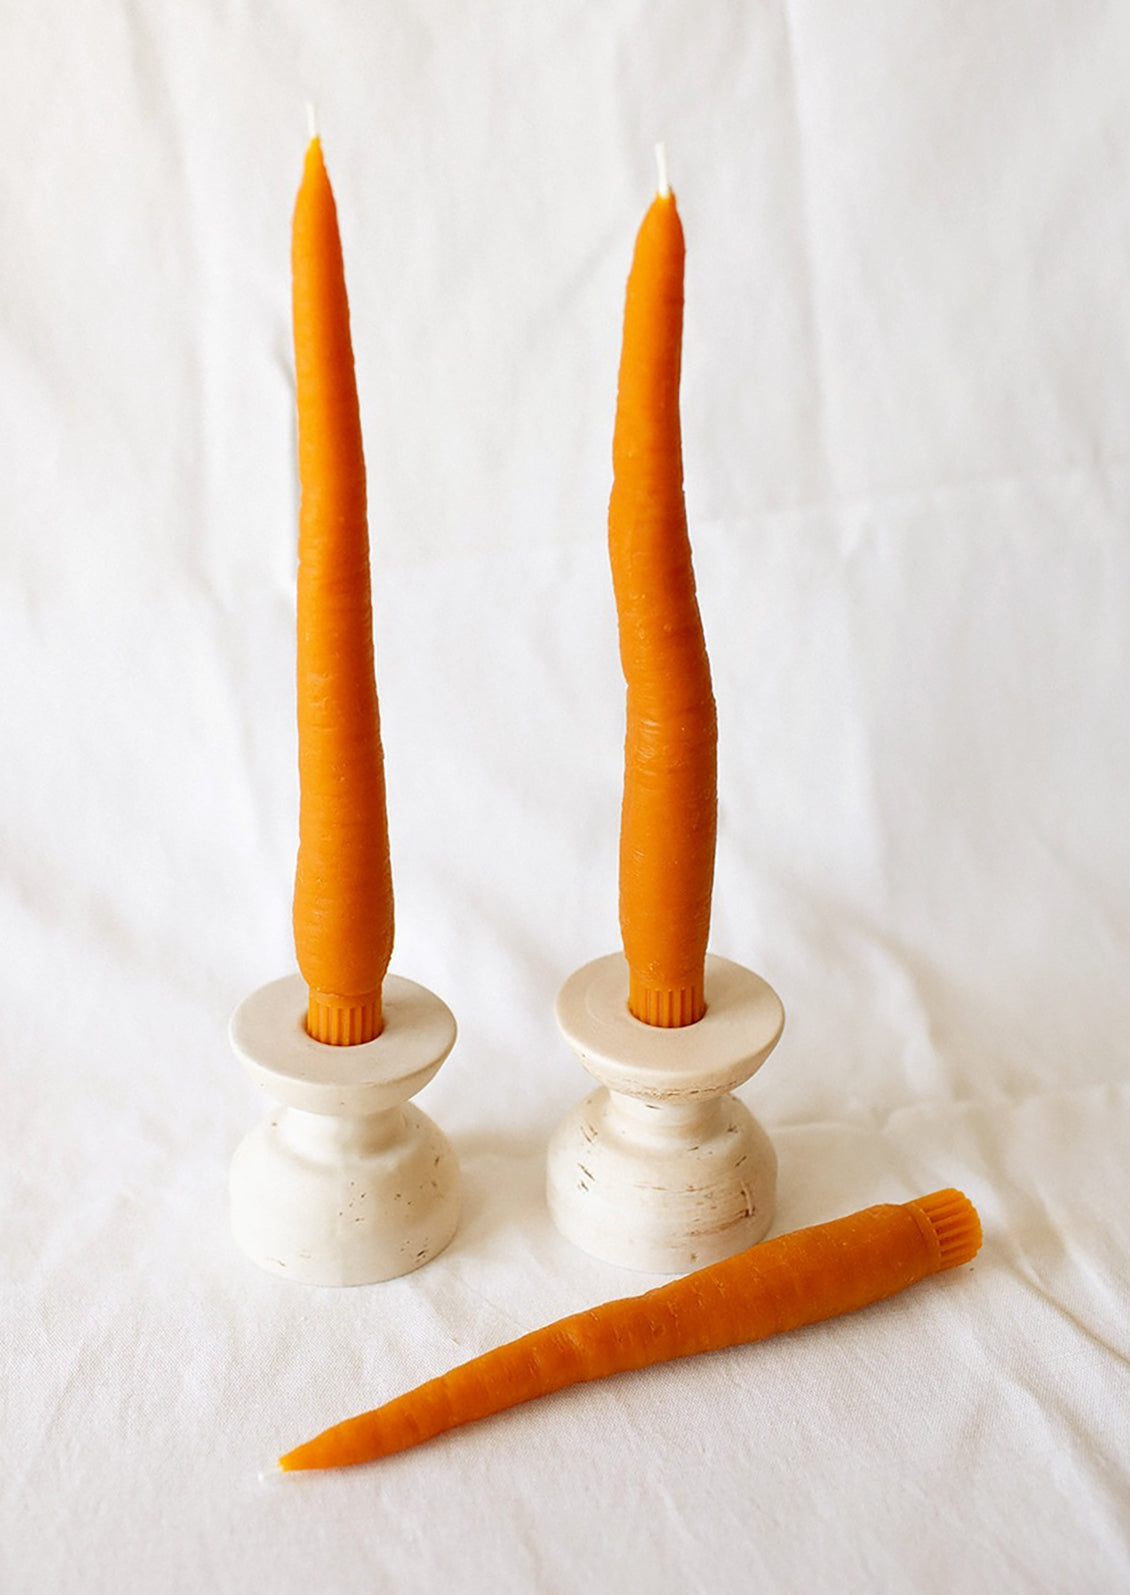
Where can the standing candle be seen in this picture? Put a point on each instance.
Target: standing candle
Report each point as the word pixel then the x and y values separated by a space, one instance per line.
pixel 347 1182
pixel 343 909
pixel 669 817
pixel 662 1167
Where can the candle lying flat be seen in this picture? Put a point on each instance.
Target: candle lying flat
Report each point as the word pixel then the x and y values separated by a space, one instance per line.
pixel 802 1278
pixel 343 906
pixel 669 816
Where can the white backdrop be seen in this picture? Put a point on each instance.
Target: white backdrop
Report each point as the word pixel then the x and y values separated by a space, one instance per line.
pixel 906 407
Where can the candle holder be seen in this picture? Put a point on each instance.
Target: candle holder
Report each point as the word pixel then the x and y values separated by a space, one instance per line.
pixel 347 1183
pixel 662 1169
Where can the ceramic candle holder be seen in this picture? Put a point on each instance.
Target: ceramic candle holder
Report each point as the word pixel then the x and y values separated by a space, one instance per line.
pixel 347 1182
pixel 662 1169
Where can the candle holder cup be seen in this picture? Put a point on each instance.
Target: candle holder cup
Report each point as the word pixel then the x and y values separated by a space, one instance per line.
pixel 347 1182
pixel 662 1168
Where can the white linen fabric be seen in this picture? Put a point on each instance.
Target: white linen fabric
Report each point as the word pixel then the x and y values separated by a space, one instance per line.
pixel 906 404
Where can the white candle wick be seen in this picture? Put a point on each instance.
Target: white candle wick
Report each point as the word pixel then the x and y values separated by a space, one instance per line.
pixel 312 118
pixel 661 166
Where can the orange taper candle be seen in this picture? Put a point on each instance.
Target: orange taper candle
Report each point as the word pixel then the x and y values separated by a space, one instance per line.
pixel 798 1279
pixel 669 816
pixel 343 914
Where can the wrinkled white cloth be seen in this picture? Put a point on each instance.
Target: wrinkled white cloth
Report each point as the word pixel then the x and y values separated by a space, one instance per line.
pixel 906 404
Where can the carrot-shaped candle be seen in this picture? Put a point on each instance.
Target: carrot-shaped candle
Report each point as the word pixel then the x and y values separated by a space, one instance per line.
pixel 801 1278
pixel 669 811
pixel 348 1182
pixel 343 913
pixel 664 1168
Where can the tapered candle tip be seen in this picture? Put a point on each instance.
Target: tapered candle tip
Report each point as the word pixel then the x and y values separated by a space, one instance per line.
pixel 312 118
pixel 664 186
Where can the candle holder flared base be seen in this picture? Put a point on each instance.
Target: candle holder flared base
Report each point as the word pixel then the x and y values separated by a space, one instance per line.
pixel 347 1182
pixel 662 1168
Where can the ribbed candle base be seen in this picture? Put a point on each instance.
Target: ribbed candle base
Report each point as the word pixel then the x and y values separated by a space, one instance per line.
pixel 668 1007
pixel 956 1226
pixel 343 1021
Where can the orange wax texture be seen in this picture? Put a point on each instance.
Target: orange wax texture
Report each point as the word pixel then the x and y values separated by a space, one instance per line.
pixel 669 816
pixel 343 914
